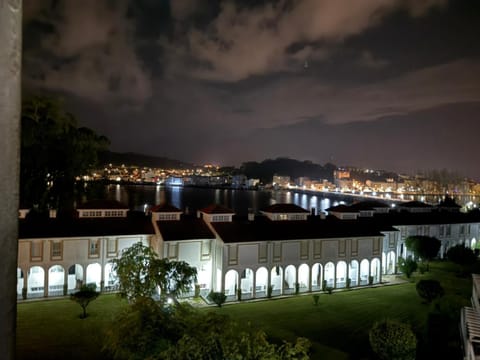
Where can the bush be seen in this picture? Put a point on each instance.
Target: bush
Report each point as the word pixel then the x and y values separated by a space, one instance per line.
pixel 429 290
pixel 407 266
pixel 422 268
pixel 269 291
pixel 316 298
pixel 370 280
pixel 329 290
pixel 218 298
pixel 392 340
pixel 239 294
pixel 324 285
pixel 197 291
pixel 297 288
pixel 349 283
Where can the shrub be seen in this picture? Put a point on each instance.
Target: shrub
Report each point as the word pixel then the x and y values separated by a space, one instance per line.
pixel 297 288
pixel 392 340
pixel 407 266
pixel 239 294
pixel 422 268
pixel 429 290
pixel 316 298
pixel 269 291
pixel 329 290
pixel 324 285
pixel 218 298
pixel 197 291
pixel 349 283
pixel 370 280
pixel 65 289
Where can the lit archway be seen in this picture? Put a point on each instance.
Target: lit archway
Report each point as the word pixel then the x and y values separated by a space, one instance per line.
pixel 364 272
pixel 341 274
pixel 375 268
pixel 56 279
pixel 330 274
pixel 75 277
pixel 94 274
pixel 303 277
pixel 35 282
pixel 391 263
pixel 261 282
pixel 111 279
pixel 290 278
pixel 353 272
pixel 316 277
pixel 276 276
pixel 20 282
pixel 246 283
pixel 231 281
pixel 204 277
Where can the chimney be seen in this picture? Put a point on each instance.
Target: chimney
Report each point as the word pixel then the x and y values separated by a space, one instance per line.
pixel 251 214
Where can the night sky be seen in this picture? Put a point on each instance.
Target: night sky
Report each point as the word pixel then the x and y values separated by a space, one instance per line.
pixel 392 84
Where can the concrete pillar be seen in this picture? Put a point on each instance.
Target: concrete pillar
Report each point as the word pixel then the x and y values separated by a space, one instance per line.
pixel 10 105
pixel 46 274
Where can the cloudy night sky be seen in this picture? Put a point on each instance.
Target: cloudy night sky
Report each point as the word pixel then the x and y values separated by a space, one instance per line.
pixel 389 84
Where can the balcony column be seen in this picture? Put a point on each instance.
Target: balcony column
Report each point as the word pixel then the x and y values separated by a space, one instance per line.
pixel 10 107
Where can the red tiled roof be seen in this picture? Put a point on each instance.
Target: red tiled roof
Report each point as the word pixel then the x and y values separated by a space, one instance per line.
pixel 102 204
pixel 284 208
pixel 165 208
pixel 217 209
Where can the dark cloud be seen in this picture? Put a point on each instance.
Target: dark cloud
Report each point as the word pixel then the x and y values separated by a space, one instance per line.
pixel 237 80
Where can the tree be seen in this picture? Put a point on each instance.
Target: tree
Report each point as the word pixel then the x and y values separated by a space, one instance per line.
pixel 54 151
pixel 392 340
pixel 429 290
pixel 461 255
pixel 407 266
pixel 145 330
pixel 217 298
pixel 140 273
pixel 85 296
pixel 423 247
pixel 135 272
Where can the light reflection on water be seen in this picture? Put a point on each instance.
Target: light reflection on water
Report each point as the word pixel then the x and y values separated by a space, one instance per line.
pixel 196 198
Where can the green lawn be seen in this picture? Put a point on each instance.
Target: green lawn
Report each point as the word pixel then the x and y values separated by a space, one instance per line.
pixel 338 327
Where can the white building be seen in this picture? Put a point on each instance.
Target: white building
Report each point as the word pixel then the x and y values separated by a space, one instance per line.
pixel 283 250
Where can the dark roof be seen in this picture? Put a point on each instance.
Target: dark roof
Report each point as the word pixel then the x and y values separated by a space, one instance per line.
pixel 187 228
pixel 284 208
pixel 429 218
pixel 165 208
pixel 262 229
pixel 102 204
pixel 217 209
pixel 342 209
pixel 414 204
pixel 135 224
pixel 369 205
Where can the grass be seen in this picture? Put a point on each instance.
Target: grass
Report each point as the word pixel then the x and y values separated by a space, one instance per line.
pixel 338 327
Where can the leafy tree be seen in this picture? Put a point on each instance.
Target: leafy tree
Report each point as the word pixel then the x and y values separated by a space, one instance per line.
pixel 392 340
pixel 461 255
pixel 148 331
pixel 173 277
pixel 140 272
pixel 407 266
pixel 135 272
pixel 85 296
pixel 429 290
pixel 217 298
pixel 423 247
pixel 54 151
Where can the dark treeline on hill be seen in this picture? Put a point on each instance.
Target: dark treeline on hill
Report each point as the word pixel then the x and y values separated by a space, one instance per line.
pixel 286 167
pixel 133 159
